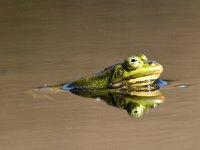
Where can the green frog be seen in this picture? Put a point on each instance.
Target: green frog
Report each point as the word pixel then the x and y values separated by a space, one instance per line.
pixel 132 84
pixel 133 71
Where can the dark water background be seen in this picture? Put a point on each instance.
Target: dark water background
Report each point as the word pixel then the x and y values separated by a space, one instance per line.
pixel 49 42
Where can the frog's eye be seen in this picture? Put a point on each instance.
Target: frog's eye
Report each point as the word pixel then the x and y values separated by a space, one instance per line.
pixel 133 62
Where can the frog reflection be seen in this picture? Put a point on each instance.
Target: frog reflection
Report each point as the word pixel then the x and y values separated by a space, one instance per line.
pixel 135 102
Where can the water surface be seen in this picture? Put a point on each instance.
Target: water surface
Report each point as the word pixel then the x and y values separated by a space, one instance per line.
pixel 53 42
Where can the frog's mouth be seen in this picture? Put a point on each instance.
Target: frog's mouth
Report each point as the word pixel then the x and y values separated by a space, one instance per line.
pixel 145 80
pixel 139 81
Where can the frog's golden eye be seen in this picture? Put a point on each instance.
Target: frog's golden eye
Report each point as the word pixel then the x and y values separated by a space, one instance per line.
pixel 133 62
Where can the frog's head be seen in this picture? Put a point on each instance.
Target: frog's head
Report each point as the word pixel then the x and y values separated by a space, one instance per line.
pixel 133 71
pixel 136 71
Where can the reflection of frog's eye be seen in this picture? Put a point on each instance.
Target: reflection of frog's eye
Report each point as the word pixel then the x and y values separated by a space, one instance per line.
pixel 133 62
pixel 137 111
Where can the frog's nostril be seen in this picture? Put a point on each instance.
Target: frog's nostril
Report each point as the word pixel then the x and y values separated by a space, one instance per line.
pixel 152 63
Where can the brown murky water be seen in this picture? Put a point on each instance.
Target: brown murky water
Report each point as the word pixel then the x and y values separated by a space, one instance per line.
pixel 52 42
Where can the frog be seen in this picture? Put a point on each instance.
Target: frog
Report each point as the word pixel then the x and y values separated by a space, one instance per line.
pixel 133 72
pixel 132 84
